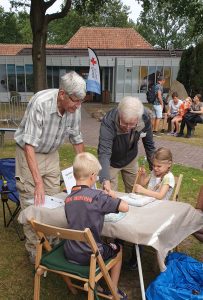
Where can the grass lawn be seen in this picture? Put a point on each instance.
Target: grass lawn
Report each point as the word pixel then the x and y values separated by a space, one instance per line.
pixel 16 275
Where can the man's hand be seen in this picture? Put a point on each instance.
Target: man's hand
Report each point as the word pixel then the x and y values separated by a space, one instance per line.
pixel 39 194
pixel 106 185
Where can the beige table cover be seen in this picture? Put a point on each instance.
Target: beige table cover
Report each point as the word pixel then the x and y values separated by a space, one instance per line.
pixel 160 224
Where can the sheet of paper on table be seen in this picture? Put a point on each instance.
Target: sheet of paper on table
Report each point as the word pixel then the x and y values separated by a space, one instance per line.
pixel 50 202
pixel 137 200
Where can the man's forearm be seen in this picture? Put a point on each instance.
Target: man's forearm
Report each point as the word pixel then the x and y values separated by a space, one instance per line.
pixel 32 163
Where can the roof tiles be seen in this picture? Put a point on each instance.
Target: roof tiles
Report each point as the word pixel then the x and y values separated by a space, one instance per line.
pixel 107 38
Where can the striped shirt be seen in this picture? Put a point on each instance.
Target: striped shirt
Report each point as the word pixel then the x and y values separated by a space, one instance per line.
pixel 44 127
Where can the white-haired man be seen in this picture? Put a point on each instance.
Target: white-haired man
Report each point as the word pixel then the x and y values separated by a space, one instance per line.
pixel 120 131
pixel 51 116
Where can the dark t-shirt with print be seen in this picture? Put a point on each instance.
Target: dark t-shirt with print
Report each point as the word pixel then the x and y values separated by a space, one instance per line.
pixel 86 208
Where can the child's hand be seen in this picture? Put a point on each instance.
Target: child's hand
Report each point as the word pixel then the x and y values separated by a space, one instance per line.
pixel 142 171
pixel 139 188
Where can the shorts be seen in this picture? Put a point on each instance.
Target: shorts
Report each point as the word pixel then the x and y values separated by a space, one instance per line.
pixel 110 250
pixel 158 111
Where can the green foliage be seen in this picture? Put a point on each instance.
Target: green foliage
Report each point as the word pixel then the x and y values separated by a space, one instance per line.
pixel 191 69
pixel 15 27
pixel 190 9
pixel 8 27
pixel 158 25
pixel 111 14
pixel 186 66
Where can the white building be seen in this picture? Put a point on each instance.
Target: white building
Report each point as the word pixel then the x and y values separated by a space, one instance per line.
pixel 128 63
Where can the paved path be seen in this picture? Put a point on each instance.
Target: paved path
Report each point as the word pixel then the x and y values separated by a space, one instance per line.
pixel 184 154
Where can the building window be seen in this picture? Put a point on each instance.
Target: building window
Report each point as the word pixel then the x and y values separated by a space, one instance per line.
pixel 128 80
pixel 143 79
pixel 56 77
pixel 20 72
pixel 3 78
pixel 49 78
pixel 11 77
pixel 167 75
pixel 29 78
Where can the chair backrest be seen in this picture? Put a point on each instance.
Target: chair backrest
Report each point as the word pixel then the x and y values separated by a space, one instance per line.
pixel 199 204
pixel 178 181
pixel 66 234
pixel 7 172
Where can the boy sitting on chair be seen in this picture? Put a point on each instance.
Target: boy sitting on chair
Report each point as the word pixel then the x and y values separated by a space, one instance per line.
pixel 85 208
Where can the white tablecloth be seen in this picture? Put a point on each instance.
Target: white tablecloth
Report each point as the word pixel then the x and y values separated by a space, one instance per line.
pixel 160 224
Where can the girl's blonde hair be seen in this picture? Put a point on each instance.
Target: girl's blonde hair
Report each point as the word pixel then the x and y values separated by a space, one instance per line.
pixel 85 164
pixel 163 154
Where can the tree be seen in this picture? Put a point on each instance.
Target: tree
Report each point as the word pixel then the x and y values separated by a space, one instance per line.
pixel 23 24
pixel 190 9
pixel 112 14
pixel 158 25
pixel 39 20
pixel 8 25
pixel 191 69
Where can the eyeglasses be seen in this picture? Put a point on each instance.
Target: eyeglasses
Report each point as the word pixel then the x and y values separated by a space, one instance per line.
pixel 127 125
pixel 75 100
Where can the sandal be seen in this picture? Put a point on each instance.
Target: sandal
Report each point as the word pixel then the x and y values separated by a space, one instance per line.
pixel 122 294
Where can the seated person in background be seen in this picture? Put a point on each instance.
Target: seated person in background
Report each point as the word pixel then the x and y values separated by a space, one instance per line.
pixel 192 117
pixel 161 181
pixel 183 109
pixel 85 208
pixel 199 234
pixel 173 107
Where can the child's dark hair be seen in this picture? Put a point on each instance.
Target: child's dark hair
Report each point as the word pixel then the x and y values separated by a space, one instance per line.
pixel 175 94
pixel 163 154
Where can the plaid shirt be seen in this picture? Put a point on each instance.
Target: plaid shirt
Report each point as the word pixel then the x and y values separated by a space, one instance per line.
pixel 44 127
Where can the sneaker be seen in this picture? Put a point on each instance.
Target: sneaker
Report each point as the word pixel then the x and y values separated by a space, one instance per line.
pixel 156 133
pixel 180 135
pixel 188 136
pixel 162 131
pixel 170 133
pixel 122 295
pixel 175 134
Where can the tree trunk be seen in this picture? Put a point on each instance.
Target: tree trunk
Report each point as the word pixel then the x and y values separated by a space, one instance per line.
pixel 39 29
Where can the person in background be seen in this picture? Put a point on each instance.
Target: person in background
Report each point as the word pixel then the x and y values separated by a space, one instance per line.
pixel 51 116
pixel 85 208
pixel 173 108
pixel 183 109
pixel 192 117
pixel 158 103
pixel 161 182
pixel 120 132
pixel 196 115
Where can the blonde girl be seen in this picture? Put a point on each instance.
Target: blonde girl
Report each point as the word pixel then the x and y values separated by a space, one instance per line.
pixel 161 181
pixel 184 107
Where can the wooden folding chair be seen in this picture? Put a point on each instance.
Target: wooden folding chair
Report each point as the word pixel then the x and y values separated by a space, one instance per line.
pixel 54 261
pixel 178 181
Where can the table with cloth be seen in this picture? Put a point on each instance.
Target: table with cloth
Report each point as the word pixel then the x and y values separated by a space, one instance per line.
pixel 159 224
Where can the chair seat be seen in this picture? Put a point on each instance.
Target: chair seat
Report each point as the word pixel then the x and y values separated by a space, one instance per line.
pixel 56 260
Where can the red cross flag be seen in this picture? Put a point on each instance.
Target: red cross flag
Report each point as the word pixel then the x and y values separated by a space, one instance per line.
pixel 93 80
